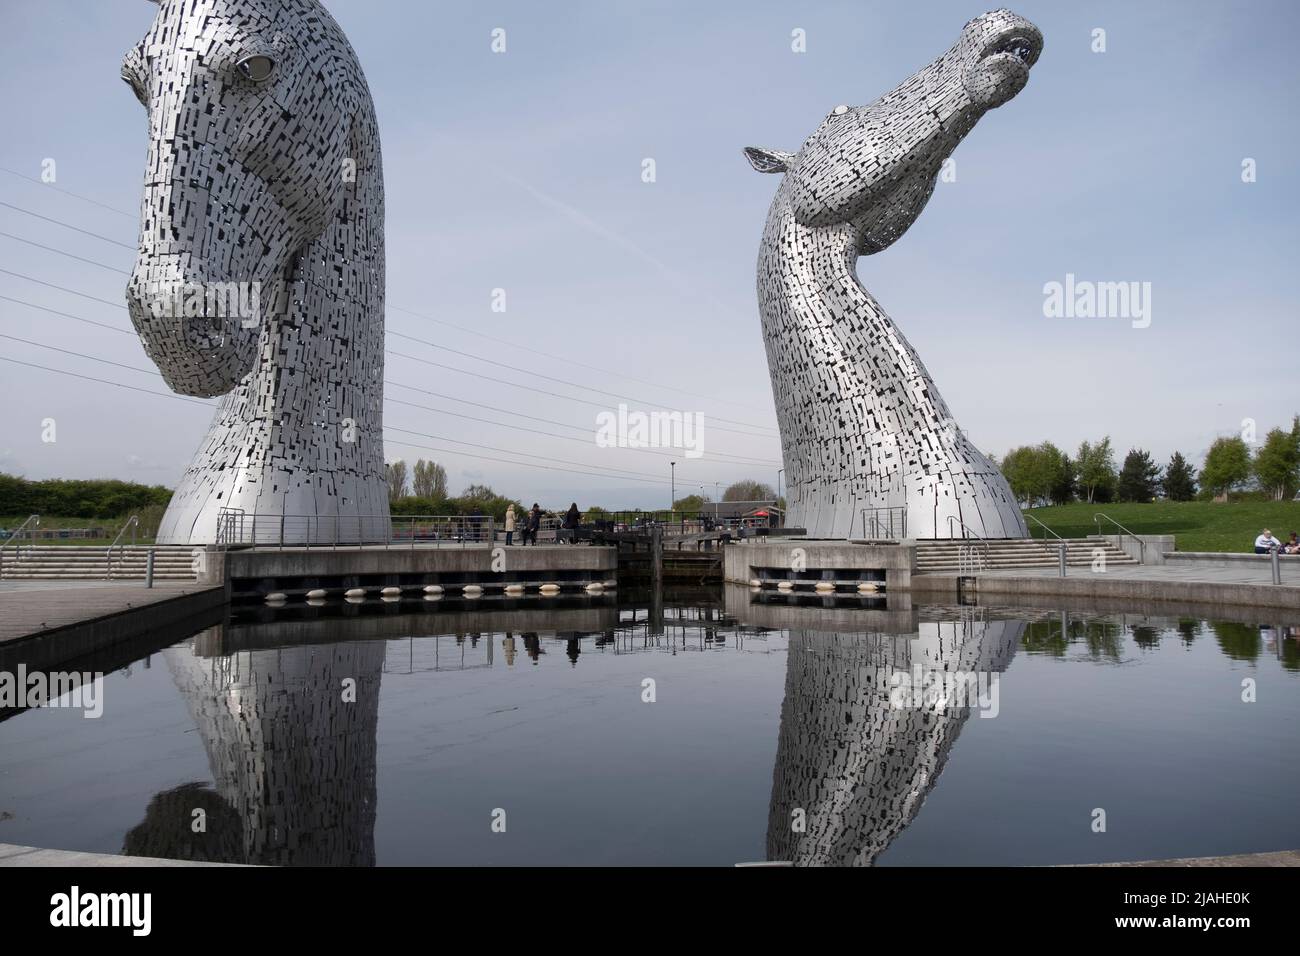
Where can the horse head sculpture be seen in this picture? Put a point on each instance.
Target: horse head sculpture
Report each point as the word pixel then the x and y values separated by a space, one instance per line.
pixel 260 273
pixel 863 427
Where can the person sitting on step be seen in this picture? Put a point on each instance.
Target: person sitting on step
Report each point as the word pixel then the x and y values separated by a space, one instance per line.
pixel 1266 543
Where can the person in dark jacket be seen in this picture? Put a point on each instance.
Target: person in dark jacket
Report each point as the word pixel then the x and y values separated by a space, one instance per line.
pixel 534 521
pixel 572 519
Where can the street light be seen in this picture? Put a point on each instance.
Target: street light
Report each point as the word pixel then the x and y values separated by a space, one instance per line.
pixel 673 504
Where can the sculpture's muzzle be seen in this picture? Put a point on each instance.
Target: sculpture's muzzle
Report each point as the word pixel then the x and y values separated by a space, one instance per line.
pixel 998 54
pixel 201 332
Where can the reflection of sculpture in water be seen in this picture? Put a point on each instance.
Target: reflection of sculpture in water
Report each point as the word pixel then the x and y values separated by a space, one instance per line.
pixel 168 829
pixel 857 767
pixel 291 756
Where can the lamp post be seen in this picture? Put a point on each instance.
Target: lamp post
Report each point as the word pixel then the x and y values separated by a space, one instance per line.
pixel 673 504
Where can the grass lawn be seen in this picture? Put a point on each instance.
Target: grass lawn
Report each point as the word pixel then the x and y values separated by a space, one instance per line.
pixel 1198 525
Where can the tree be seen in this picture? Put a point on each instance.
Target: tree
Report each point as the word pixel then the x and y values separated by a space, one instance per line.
pixel 749 490
pixel 1227 466
pixel 1179 481
pixel 1277 463
pixel 690 503
pixel 1062 490
pixel 429 480
pixel 1022 469
pixel 1096 470
pixel 1038 474
pixel 1139 479
pixel 478 493
pixel 396 480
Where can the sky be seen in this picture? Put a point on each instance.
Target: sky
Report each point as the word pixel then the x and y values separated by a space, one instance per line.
pixel 523 171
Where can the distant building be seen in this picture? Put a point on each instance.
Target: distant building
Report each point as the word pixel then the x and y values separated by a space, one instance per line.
pixel 749 514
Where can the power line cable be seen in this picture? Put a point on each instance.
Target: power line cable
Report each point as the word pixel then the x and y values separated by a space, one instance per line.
pixel 420 315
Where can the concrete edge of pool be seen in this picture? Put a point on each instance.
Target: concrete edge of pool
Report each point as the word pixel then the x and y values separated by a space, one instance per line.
pixel 12 854
pixel 15 855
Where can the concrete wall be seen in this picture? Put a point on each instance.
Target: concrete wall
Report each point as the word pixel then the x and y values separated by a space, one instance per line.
pixel 897 561
pixel 1153 548
pixel 1134 592
pixel 247 571
pixel 1290 563
pixel 166 621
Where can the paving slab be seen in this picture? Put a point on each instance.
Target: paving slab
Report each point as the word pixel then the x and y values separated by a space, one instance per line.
pixel 12 854
pixel 32 608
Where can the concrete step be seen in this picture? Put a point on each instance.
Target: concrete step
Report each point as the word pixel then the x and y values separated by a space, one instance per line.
pixel 92 562
pixel 1015 554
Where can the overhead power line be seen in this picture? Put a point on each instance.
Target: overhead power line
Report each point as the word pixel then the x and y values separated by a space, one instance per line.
pixel 415 358
pixel 469 331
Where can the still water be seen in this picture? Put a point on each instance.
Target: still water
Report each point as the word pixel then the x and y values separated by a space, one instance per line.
pixel 702 728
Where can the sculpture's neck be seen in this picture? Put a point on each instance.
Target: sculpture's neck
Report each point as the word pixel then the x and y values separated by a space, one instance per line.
pixel 313 404
pixel 809 291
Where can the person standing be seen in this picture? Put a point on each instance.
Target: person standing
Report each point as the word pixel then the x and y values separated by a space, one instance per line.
pixel 510 525
pixel 534 523
pixel 572 518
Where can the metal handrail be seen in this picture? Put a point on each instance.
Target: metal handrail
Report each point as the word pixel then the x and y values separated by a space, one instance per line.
pixel 983 541
pixel 968 560
pixel 236 527
pixel 1043 526
pixel 132 522
pixel 1142 548
pixel 35 522
pixel 1043 544
pixel 872 531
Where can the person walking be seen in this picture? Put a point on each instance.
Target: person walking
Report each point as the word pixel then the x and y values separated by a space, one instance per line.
pixel 572 518
pixel 510 525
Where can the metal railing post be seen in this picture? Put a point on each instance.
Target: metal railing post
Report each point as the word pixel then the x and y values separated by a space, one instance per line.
pixel 1277 568
pixel 1061 550
pixel 148 569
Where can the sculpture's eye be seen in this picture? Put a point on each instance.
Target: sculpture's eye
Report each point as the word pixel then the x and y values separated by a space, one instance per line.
pixel 257 67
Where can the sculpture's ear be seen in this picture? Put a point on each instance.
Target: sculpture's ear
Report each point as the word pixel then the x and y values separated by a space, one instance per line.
pixel 768 160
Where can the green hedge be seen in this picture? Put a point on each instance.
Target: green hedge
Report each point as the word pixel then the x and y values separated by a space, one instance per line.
pixel 96 498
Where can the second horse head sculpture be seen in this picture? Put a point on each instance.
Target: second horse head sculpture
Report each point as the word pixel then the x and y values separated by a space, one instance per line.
pixel 863 427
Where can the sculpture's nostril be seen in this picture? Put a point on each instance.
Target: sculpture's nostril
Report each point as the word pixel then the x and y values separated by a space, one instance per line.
pixel 1018 46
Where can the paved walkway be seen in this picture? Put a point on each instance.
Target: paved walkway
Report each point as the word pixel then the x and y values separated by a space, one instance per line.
pixel 1280 858
pixel 30 607
pixel 13 855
